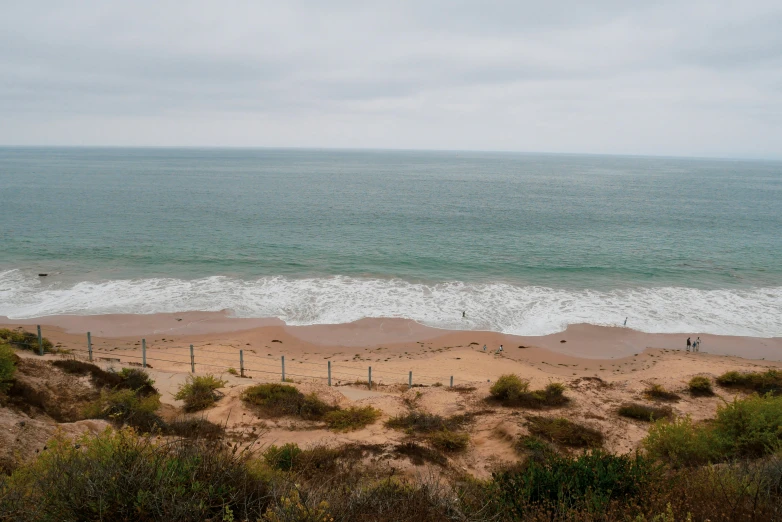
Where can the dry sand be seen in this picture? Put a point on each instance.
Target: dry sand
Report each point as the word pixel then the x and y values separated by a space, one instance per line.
pixel 624 360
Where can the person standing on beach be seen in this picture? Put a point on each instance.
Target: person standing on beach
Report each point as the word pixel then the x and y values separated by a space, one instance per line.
pixel 484 347
pixel 698 344
pixel 689 343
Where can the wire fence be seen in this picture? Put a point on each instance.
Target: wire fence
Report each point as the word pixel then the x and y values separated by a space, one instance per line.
pixel 213 357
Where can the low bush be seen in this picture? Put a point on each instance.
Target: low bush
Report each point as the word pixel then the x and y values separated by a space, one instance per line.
pixel 645 413
pixel 656 391
pixel 198 392
pixel 451 441
pixel 194 428
pixel 536 448
pixel 744 428
pixel 564 432
pixel 283 399
pixel 125 406
pixel 681 442
pixel 769 381
pixel 422 422
pixel 419 455
pixel 352 418
pixel 282 457
pixel 99 377
pixel 120 476
pixel 511 390
pixel 23 340
pixel 700 386
pixel 7 367
pixel 137 380
pixel 562 485
pixel 509 387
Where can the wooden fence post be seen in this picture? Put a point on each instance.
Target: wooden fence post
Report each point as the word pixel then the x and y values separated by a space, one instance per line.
pixel 192 360
pixel 282 358
pixel 329 373
pixel 89 345
pixel 40 341
pixel 144 353
pixel 370 378
pixel 241 363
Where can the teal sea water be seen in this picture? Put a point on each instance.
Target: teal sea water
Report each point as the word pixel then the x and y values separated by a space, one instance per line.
pixel 523 243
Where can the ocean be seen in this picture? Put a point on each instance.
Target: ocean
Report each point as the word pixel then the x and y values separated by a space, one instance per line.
pixel 522 243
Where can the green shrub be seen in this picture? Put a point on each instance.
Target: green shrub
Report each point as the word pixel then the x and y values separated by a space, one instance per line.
pixel 452 441
pixel 565 432
pixel 137 380
pixel 536 448
pixel 283 399
pixel 747 427
pixel 511 390
pixel 125 406
pixel 422 422
pixel 750 427
pixel 194 428
pixel 561 484
pixel 353 418
pixel 681 442
pixel 700 386
pixel 509 387
pixel 283 457
pixel 198 392
pixel 645 413
pixel 118 475
pixel 24 340
pixel 7 367
pixel 656 391
pixel 769 381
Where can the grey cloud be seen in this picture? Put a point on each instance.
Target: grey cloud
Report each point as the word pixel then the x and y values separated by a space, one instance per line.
pixel 569 76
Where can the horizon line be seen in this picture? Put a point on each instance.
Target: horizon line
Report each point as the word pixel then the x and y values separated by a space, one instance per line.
pixel 392 149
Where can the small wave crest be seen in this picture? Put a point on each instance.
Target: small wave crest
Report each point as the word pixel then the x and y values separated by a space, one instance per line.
pixel 502 307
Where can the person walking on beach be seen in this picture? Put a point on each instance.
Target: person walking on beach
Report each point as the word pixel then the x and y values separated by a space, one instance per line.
pixel 484 347
pixel 689 343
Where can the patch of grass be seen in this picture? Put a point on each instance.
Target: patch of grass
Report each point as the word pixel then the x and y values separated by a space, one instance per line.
pixel 195 428
pixel 658 392
pixel 7 367
pixel 645 413
pixel 282 399
pixel 512 390
pixel 536 448
pixel 125 406
pixel 422 422
pixel 744 428
pixel 559 484
pixel 700 386
pixel 419 455
pixel 233 371
pixel 137 380
pixel 282 457
pixel 24 340
pixel 118 475
pixel 565 432
pixel 451 441
pixel 769 381
pixel 352 418
pixel 198 392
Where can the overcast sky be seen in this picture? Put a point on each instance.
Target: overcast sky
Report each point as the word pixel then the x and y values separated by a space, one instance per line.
pixel 672 78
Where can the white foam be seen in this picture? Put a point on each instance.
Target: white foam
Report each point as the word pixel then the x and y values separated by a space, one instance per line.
pixel 523 310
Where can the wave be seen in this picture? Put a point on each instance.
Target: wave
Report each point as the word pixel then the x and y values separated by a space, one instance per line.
pixel 502 307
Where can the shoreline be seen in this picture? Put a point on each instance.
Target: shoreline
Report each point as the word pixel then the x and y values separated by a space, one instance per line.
pixel 582 341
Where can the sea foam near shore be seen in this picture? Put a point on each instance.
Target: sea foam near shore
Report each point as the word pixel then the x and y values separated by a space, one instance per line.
pixel 502 307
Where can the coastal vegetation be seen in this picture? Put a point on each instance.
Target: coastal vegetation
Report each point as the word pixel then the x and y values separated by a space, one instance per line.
pixel 700 386
pixel 283 399
pixel 7 368
pixel 512 390
pixel 644 412
pixel 199 392
pixel 658 392
pixel 564 432
pixel 352 418
pixel 24 340
pixel 769 381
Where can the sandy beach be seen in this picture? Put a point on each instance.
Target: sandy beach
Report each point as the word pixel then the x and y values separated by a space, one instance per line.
pixel 601 367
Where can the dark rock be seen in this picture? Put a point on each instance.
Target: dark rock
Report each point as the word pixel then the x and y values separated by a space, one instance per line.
pixel 42 275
